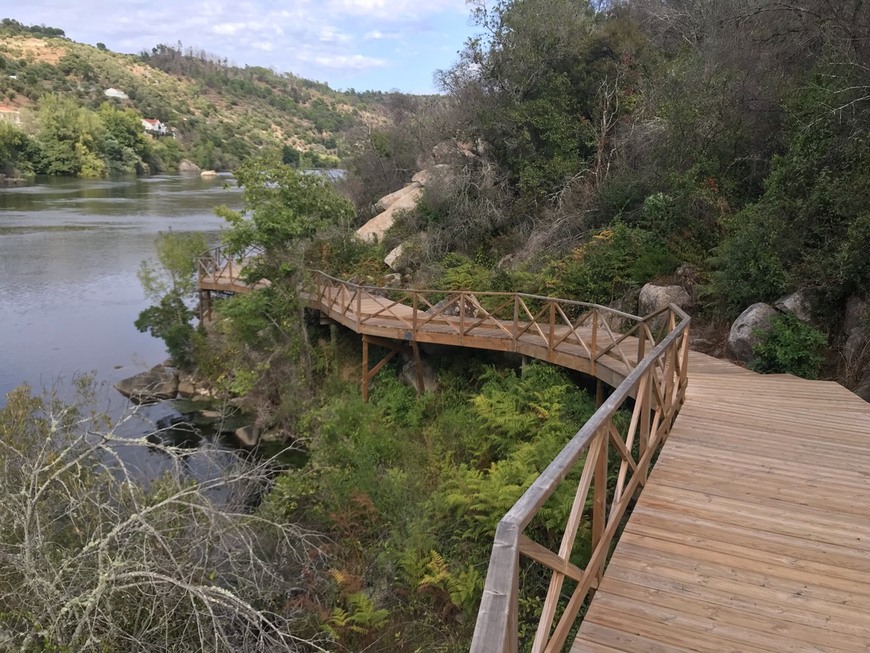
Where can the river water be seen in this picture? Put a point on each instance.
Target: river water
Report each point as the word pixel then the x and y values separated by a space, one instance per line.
pixel 69 294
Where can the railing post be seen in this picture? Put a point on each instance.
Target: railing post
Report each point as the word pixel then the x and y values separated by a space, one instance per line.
pixel 516 329
pixel 414 302
pixel 645 409
pixel 552 338
pixel 599 498
pixel 461 316
pixel 594 346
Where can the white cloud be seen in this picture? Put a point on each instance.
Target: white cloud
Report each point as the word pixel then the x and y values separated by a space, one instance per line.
pixel 377 35
pixel 347 61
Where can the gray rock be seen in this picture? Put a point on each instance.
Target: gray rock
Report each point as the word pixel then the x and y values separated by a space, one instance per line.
pixel 392 280
pixel 391 260
pixel 744 334
pixel 156 384
pixel 408 376
pixel 439 172
pixel 248 436
pixel 653 298
pixel 798 303
pixel 186 167
pixel 857 309
pixel 186 388
pixel 856 345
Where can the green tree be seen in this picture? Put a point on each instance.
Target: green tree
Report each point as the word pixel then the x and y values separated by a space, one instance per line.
pixel 170 284
pixel 284 209
pixel 69 136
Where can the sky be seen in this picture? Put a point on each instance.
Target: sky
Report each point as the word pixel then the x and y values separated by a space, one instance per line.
pixel 361 44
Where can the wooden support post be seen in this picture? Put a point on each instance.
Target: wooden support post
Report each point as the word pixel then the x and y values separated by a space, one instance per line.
pixel 365 368
pixel 552 338
pixel 418 364
pixel 599 393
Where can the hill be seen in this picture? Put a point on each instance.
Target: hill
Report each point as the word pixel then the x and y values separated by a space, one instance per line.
pixel 218 113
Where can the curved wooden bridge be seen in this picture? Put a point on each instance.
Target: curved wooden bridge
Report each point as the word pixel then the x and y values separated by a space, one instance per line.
pixel 751 534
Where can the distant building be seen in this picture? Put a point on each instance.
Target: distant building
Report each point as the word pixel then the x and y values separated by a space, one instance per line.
pixel 8 114
pixel 155 127
pixel 116 93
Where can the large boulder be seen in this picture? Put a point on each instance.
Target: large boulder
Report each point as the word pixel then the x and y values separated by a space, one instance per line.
pixel 408 376
pixel 188 167
pixel 653 298
pixel 374 229
pixel 391 260
pixel 388 200
pixel 155 385
pixel 745 330
pixel 436 173
pixel 857 310
pixel 449 152
pixel 799 304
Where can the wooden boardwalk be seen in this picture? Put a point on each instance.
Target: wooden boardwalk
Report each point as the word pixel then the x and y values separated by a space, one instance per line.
pixel 752 532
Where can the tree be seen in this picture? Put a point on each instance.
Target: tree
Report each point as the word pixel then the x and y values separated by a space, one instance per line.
pixel 170 285
pixel 93 558
pixel 284 208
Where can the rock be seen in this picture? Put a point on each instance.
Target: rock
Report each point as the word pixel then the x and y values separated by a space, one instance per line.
pixel 449 152
pixel 690 276
pixel 450 307
pixel 156 384
pixel 186 388
pixel 798 304
pixel 391 260
pixel 435 173
pixel 408 376
pixel 857 311
pixel 743 335
pixel 392 280
pixel 653 298
pixel 856 345
pixel 388 200
pixel 186 167
pixel 247 436
pixel 208 173
pixel 374 229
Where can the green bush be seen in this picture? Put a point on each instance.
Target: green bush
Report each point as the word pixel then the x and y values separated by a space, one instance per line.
pixel 789 347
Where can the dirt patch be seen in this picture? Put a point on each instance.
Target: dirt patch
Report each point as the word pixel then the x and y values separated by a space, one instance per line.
pixel 38 50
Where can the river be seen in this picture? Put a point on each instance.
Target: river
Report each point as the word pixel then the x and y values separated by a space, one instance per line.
pixel 69 294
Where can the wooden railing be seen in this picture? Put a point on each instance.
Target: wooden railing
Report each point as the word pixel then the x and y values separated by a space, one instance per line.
pixel 562 327
pixel 217 269
pixel 658 382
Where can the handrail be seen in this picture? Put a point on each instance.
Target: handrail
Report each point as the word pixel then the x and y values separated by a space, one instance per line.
pixel 658 400
pixel 655 374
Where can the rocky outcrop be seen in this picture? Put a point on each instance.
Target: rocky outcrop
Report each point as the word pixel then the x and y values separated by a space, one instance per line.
pixel 188 167
pixel 374 230
pixel 800 304
pixel 155 385
pixel 450 152
pixel 654 297
pixel 744 334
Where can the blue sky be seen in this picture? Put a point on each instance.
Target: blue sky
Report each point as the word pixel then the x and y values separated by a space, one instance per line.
pixel 364 44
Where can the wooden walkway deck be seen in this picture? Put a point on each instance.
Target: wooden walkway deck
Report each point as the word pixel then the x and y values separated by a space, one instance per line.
pixel 752 532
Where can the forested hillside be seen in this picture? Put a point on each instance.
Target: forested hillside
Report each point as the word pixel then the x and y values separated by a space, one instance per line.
pixel 219 113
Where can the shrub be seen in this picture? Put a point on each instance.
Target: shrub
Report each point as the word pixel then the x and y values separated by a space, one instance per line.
pixel 789 346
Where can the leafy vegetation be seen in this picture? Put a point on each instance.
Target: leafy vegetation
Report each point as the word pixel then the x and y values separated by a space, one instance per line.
pixel 789 347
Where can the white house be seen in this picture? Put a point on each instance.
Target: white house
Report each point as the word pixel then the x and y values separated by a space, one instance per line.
pixel 154 126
